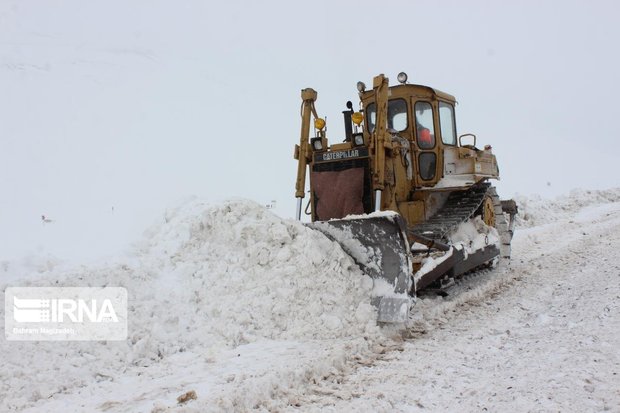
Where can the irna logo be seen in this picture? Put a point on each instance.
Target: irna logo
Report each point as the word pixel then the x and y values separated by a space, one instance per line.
pixel 65 313
pixel 61 310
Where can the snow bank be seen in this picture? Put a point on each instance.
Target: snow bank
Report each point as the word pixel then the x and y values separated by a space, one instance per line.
pixel 209 279
pixel 246 274
pixel 535 210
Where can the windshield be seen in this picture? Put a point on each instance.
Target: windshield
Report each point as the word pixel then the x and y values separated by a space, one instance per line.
pixel 397 115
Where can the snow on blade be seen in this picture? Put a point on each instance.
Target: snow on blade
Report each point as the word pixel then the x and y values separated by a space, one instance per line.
pixel 363 254
pixel 470 236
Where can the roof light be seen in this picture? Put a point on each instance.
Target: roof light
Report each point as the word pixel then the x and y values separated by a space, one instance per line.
pixel 402 77
pixel 357 118
pixel 361 87
pixel 319 123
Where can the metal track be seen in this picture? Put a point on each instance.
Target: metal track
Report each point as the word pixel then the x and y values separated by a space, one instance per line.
pixel 459 207
pixel 501 224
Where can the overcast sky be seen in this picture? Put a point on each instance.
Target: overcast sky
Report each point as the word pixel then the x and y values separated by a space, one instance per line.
pixel 112 111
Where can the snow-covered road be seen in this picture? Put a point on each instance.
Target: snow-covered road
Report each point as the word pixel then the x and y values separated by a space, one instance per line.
pixel 253 312
pixel 544 335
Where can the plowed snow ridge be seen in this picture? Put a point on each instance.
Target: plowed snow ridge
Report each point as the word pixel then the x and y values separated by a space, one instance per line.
pixel 210 279
pixel 248 310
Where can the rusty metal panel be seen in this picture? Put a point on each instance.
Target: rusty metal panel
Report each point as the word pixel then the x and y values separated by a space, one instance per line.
pixel 338 193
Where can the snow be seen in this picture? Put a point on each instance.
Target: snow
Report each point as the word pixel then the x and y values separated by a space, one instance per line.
pixel 536 210
pixel 383 288
pixel 375 214
pixel 538 335
pixel 431 262
pixel 207 285
pixel 470 236
pixel 253 312
pixel 473 235
pixel 456 181
pixel 363 254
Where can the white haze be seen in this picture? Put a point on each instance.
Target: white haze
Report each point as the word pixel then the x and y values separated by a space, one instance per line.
pixel 113 111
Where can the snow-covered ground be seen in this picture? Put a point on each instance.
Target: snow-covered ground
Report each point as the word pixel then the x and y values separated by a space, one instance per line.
pixel 254 312
pixel 541 335
pixel 227 300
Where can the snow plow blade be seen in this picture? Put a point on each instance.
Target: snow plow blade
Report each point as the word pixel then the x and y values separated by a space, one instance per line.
pixel 379 245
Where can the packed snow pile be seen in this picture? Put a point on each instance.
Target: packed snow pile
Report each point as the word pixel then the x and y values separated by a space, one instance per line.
pixel 536 210
pixel 210 279
pixel 247 274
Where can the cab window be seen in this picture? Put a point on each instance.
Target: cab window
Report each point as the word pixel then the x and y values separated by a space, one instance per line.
pixel 447 124
pixel 427 164
pixel 371 117
pixel 425 131
pixel 397 115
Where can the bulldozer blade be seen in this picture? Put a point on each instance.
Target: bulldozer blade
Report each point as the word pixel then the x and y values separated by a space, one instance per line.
pixel 392 309
pixel 379 245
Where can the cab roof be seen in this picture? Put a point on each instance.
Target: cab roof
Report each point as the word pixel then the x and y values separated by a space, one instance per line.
pixel 412 90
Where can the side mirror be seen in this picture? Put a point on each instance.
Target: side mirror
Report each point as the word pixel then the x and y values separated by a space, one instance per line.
pixel 471 135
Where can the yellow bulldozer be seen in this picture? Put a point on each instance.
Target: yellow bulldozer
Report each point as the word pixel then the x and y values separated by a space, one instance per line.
pixel 402 193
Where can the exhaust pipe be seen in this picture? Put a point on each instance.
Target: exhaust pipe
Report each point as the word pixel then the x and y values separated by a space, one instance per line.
pixel 299 209
pixel 348 125
pixel 378 200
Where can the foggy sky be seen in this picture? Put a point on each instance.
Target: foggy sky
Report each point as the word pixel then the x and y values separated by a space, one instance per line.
pixel 113 111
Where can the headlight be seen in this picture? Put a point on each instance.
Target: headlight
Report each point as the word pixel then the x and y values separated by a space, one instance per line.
pixel 402 77
pixel 361 87
pixel 358 139
pixel 319 123
pixel 357 118
pixel 317 144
